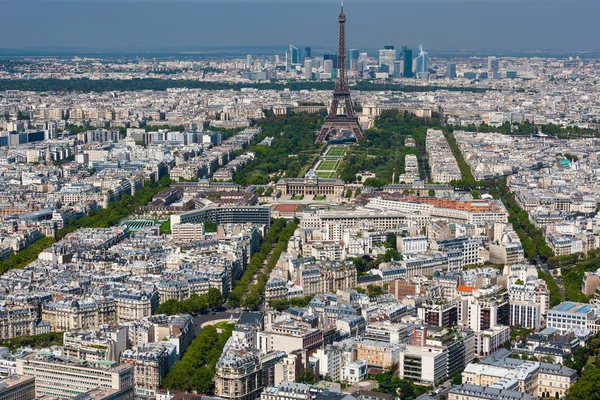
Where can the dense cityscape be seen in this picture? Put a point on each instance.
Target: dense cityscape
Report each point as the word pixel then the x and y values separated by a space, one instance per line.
pixel 311 225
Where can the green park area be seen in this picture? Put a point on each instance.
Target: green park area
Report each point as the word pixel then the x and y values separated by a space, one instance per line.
pixel 328 165
pixel 336 151
pixel 325 174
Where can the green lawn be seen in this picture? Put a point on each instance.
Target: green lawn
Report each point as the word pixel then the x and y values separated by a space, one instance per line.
pixel 224 324
pixel 326 174
pixel 320 197
pixel 297 197
pixel 336 152
pixel 327 165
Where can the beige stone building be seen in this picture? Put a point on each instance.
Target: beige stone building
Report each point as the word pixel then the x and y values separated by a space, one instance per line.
pixel 311 185
pixel 17 320
pixel 61 378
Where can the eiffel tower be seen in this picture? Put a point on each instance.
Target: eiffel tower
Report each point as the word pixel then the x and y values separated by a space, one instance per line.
pixel 341 95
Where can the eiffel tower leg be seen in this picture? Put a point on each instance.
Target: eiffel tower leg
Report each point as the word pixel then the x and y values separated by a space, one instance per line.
pixel 322 134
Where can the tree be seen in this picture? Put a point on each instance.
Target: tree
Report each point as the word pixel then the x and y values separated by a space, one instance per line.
pixel 202 380
pixel 431 193
pixel 214 297
pixel 374 182
pixel 390 240
pixel 457 378
pixel 307 375
pixel 392 254
pixel 374 290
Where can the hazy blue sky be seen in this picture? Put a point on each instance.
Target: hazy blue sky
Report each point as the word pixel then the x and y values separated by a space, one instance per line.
pixel 177 24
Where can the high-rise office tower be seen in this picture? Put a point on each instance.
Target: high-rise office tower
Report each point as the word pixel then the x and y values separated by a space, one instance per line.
pixel 451 70
pixel 295 59
pixel 398 69
pixel 407 62
pixel 352 57
pixel 327 66
pixel 387 57
pixel 307 53
pixel 288 61
pixel 331 57
pixel 308 66
pixel 493 66
pixel 422 62
pixel 249 60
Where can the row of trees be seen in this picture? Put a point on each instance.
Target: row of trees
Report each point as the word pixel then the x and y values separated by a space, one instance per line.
pixel 532 238
pixel 117 210
pixel 284 304
pixel 105 85
pixel 254 297
pixel 242 285
pixel 196 368
pixel 26 256
pixel 527 128
pixel 468 181
pixel 572 259
pixel 555 296
pixel 37 341
pixel 196 304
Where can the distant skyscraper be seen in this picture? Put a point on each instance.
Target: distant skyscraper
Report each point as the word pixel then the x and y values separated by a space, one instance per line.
pixel 352 58
pixel 408 62
pixel 387 58
pixel 307 52
pixel 451 70
pixel 288 61
pixel 493 66
pixel 422 63
pixel 327 66
pixel 249 60
pixel 331 57
pixel 397 69
pixel 295 57
pixel 308 65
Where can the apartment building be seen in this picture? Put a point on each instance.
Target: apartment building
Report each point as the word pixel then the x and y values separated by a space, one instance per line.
pixel 468 391
pixel 377 354
pixel 17 320
pixel 151 363
pixel 106 343
pixel 425 364
pixel 569 316
pixel 87 313
pixel 17 387
pixel 490 340
pixel 62 378
pixel 239 373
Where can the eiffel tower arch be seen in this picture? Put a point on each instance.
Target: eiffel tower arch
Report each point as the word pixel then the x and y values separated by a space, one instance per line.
pixel 347 120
